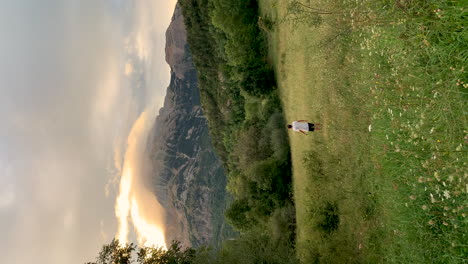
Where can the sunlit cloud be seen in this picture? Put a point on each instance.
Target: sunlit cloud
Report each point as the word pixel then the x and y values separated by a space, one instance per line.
pixel 148 231
pixel 136 204
pixel 122 207
pixel 128 69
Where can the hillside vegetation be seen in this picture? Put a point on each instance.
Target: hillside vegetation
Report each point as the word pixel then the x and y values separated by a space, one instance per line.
pixel 385 181
pixel 239 98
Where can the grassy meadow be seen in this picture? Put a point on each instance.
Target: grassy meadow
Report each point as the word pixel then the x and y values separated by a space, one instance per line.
pixel 386 180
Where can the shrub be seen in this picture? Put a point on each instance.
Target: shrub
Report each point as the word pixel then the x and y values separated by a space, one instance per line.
pixel 237 215
pixel 259 80
pixel 329 218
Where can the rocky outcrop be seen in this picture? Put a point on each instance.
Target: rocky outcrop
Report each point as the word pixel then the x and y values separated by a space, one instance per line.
pixel 176 43
pixel 188 178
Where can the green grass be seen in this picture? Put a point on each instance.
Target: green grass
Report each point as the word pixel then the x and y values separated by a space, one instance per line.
pixel 386 180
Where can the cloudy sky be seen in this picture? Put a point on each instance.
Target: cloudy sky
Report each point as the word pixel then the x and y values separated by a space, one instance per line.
pixel 75 75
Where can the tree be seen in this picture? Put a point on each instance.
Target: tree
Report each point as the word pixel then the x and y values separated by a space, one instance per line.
pixel 238 215
pixel 115 253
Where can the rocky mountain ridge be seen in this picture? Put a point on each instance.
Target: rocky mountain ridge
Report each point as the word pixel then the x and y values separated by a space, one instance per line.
pixel 188 177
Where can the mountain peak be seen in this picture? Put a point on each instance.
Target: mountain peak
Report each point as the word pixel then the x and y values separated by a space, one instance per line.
pixel 176 45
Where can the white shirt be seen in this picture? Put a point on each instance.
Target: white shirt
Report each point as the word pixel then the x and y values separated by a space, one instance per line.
pixel 297 126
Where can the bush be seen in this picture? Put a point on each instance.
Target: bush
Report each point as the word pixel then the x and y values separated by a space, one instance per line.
pixel 283 224
pixel 259 80
pixel 329 218
pixel 237 215
pixel 256 246
pixel 279 137
pixel 271 176
pixel 248 149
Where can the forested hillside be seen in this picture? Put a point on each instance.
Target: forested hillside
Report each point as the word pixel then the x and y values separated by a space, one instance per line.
pixel 248 130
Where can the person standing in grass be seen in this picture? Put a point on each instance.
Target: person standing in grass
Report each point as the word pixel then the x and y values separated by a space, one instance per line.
pixel 303 125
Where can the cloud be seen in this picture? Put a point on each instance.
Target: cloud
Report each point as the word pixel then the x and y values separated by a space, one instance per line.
pixel 69 219
pixel 7 190
pixel 128 69
pixel 136 204
pixel 65 105
pixel 60 89
pixel 104 235
pixel 7 196
pixel 146 42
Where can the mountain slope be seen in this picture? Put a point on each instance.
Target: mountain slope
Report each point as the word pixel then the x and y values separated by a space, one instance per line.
pixel 188 178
